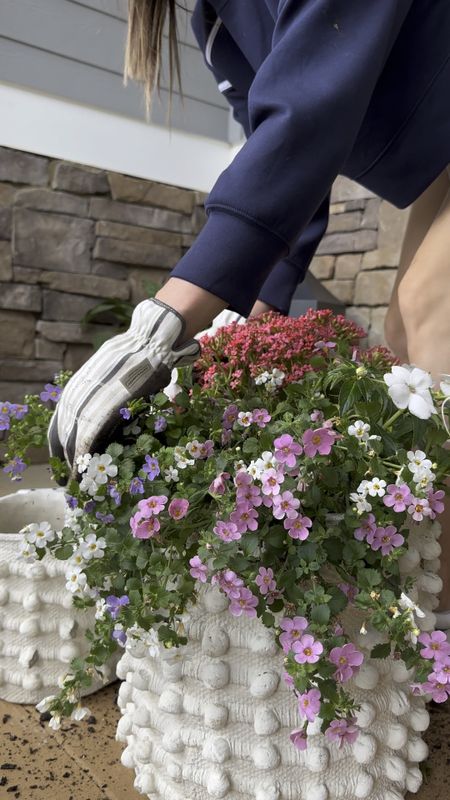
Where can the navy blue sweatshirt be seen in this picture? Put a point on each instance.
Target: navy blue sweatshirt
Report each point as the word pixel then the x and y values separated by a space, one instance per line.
pixel 321 87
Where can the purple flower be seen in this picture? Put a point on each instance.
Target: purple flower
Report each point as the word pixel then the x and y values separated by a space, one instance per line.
pixel 286 450
pixel 435 502
pixel 151 468
pixel 114 604
pixel 206 449
pixel 435 646
pixel 309 704
pixel 198 569
pixel 293 629
pixel 178 508
pixel 261 417
pixel 105 518
pixel 4 422
pixel 17 410
pixel 160 424
pixel 307 649
pixel 285 505
pixel 347 660
pixel 242 478
pixel 125 413
pixel 323 347
pixel 288 679
pixel 71 501
pixel 14 468
pixel 245 517
pixel 230 416
pixel 152 506
pixel 115 494
pixel 342 730
pixel 419 508
pixel 250 493
pixel 227 531
pixel 349 591
pixel 367 529
pixel 51 392
pixel 229 582
pixel 440 692
pixel 271 480
pixel 136 486
pixel 386 539
pixel 397 497
pixel 316 416
pixel 298 528
pixel 89 506
pixel 245 604
pixel 265 580
pixel 318 441
pixel 218 485
pixel 298 738
pixel 120 636
pixel 144 527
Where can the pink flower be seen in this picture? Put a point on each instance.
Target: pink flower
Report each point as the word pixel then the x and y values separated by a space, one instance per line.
pixel 250 493
pixel 265 580
pixel 440 692
pixel 206 449
pixel 288 679
pixel 152 505
pixel 230 416
pixel 245 517
pixel 367 529
pixel 245 604
pixel 294 629
pixel 319 441
pixel 397 497
pixel 218 485
pixel 298 527
pixel 419 508
pixel 298 738
pixel 386 540
pixel 435 646
pixel 309 704
pixel 435 502
pixel 286 450
pixel 316 416
pixel 228 582
pixel 271 482
pixel 323 347
pixel 198 569
pixel 261 417
pixel 342 730
pixel 227 531
pixel 307 650
pixel 178 508
pixel 441 672
pixel 349 591
pixel 285 505
pixel 242 478
pixel 347 660
pixel 144 527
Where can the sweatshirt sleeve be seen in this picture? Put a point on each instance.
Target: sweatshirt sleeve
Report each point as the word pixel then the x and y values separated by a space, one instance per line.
pixel 305 106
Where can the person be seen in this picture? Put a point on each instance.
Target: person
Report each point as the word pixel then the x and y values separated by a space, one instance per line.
pixel 321 88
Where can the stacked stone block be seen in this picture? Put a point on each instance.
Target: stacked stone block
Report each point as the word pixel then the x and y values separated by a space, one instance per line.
pixel 71 236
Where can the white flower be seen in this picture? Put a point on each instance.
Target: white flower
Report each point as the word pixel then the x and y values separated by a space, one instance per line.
pixel 239 465
pixel 409 387
pixel 363 488
pixel 28 552
pixel 362 505
pixel 423 477
pixel 80 712
pixel 39 534
pixel 45 703
pixel 76 579
pixel 266 461
pixel 92 547
pixel 245 418
pixel 254 470
pixel 107 583
pixel 77 559
pixel 360 429
pixel 445 385
pixel 55 723
pixel 277 377
pixel 71 516
pixel 101 468
pixel 88 484
pixel 194 448
pixel 405 602
pixel 173 388
pixel 83 462
pixel 152 642
pixel 171 474
pixel 262 378
pixel 417 460
pixel 376 487
pixel 100 608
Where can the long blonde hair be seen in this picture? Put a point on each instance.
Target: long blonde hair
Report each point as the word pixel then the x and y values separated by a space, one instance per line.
pixel 146 19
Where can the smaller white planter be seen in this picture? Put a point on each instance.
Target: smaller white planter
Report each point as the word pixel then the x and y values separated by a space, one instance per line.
pixel 40 630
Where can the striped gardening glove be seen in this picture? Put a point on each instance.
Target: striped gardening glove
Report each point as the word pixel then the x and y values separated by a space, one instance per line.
pixel 133 364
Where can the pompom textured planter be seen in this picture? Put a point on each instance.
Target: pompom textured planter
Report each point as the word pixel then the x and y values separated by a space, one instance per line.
pixel 40 630
pixel 214 721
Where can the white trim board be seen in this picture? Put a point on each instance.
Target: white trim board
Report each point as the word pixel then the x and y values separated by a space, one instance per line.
pixel 54 127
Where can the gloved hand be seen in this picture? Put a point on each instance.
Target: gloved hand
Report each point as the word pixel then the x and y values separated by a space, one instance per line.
pixel 133 364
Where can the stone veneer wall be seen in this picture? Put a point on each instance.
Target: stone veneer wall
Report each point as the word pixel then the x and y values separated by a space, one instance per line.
pixel 71 235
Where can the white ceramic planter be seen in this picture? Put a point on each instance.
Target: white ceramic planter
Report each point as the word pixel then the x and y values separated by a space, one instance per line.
pixel 214 722
pixel 40 630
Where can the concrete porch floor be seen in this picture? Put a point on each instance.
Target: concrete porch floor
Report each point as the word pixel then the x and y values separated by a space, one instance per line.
pixel 82 760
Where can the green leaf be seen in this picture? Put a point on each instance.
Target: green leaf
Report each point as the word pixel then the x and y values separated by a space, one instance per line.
pixel 268 619
pixel 250 445
pixel 321 614
pixel 338 600
pixel 381 651
pixel 63 553
pixel 114 450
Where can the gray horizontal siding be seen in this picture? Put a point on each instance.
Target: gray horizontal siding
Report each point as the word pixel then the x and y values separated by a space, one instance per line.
pixel 74 49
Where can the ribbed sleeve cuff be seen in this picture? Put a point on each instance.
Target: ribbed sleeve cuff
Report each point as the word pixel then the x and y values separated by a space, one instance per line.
pixel 231 258
pixel 281 284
